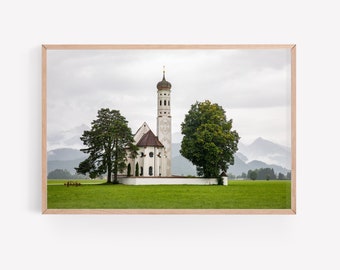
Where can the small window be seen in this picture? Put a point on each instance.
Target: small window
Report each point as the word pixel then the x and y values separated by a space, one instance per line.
pixel 164 102
pixel 151 154
pixel 141 154
pixel 168 102
pixel 150 171
pixel 141 171
pixel 160 103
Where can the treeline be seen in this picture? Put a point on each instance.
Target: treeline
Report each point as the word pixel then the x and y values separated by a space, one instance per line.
pixel 64 174
pixel 262 174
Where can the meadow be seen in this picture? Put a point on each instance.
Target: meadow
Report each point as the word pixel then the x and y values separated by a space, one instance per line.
pixel 95 194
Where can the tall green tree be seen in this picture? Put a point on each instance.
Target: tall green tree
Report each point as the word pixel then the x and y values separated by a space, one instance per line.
pixel 109 142
pixel 252 174
pixel 281 176
pixel 209 141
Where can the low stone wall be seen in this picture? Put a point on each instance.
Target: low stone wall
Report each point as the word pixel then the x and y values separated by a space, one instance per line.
pixel 169 181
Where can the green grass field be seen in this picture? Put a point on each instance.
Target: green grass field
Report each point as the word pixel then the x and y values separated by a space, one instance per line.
pixel 94 194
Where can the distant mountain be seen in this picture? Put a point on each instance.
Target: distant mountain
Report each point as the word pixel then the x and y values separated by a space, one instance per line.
pixel 241 156
pixel 179 164
pixel 182 166
pixel 240 166
pixel 268 152
pixel 67 158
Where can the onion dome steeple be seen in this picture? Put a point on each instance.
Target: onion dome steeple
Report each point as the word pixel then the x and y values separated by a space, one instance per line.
pixel 163 84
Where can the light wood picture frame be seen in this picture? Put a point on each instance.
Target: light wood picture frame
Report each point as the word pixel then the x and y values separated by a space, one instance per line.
pixel 254 83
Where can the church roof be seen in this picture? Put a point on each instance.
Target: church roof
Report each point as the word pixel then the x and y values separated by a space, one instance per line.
pixel 163 84
pixel 141 131
pixel 149 139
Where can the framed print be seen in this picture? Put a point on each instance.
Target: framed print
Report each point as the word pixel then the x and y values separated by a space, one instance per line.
pixel 169 129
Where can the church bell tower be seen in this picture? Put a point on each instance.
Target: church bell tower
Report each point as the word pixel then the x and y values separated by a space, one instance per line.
pixel 164 123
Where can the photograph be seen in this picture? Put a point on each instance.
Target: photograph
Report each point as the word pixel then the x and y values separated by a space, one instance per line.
pixel 169 129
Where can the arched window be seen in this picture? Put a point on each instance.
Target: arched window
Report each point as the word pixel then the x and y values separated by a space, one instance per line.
pixel 129 170
pixel 160 103
pixel 168 102
pixel 151 154
pixel 137 170
pixel 141 171
pixel 150 171
pixel 164 102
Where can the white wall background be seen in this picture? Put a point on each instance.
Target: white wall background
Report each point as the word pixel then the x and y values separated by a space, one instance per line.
pixel 309 240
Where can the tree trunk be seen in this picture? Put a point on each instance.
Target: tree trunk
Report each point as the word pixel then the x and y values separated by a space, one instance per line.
pixel 115 168
pixel 109 169
pixel 109 172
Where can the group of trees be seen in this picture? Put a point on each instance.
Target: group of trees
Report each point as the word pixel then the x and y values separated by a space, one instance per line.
pixel 266 174
pixel 262 174
pixel 209 142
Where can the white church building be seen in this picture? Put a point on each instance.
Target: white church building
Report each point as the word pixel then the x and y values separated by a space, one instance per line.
pixel 152 165
pixel 154 152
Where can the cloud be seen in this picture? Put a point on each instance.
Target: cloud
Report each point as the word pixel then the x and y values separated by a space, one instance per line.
pixel 80 82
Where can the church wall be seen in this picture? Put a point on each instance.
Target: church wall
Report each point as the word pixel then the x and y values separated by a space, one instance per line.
pixel 169 181
pixel 146 161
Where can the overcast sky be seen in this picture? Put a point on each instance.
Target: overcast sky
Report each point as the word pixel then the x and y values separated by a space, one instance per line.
pixel 253 86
